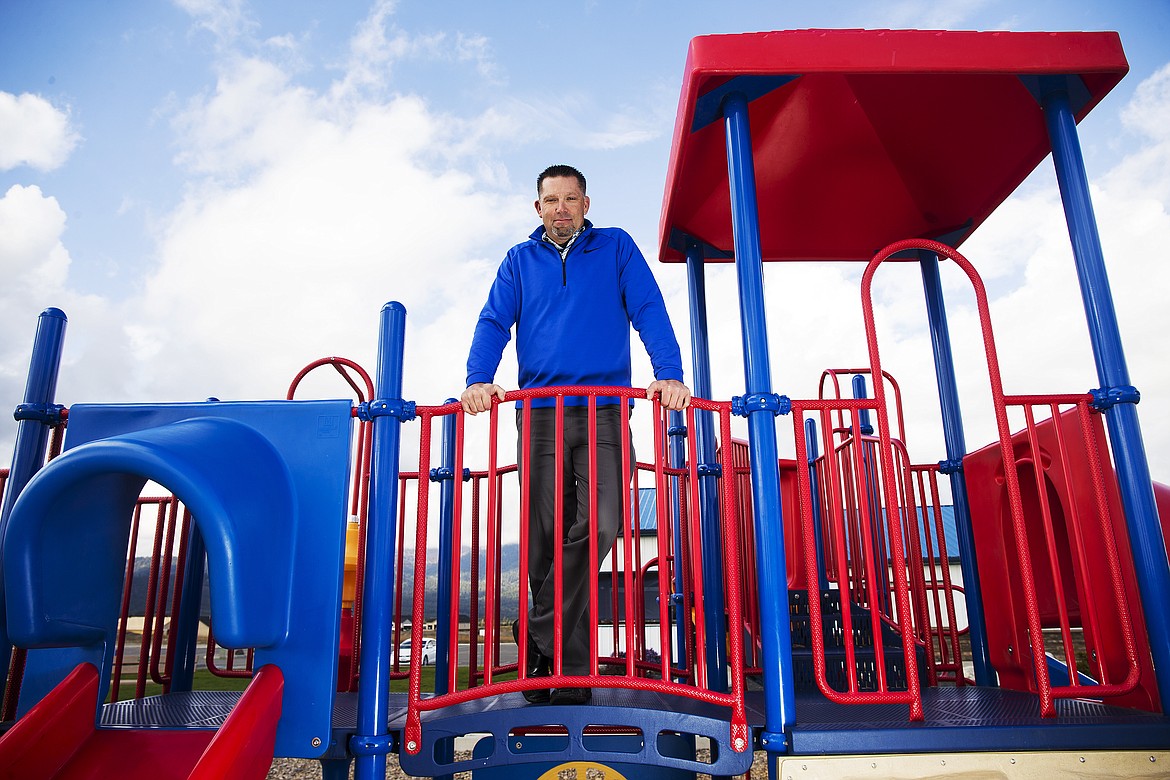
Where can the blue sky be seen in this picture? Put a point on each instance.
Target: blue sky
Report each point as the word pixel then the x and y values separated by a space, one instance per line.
pixel 217 193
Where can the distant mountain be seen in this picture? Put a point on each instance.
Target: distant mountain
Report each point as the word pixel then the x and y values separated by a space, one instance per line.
pixel 140 587
pixel 509 578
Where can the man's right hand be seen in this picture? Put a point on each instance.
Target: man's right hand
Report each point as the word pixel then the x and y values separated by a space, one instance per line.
pixel 478 397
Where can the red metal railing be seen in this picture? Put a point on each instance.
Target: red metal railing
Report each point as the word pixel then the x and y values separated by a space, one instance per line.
pixel 939 629
pixel 1114 599
pixel 1102 604
pixel 636 667
pixel 741 482
pixel 861 517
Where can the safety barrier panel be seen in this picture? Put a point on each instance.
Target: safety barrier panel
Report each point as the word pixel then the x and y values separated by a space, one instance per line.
pixel 864 525
pixel 633 666
pixel 1064 579
pixel 933 593
pixel 938 627
pixel 1115 600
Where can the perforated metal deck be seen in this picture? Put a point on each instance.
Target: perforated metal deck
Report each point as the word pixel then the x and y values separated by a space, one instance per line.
pixel 972 719
pixel 957 719
pixel 190 710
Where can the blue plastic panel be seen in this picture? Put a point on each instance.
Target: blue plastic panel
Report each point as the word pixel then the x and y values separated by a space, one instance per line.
pixel 267 485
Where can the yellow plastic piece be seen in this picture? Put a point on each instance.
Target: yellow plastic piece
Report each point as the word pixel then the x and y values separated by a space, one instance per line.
pixel 582 770
pixel 349 584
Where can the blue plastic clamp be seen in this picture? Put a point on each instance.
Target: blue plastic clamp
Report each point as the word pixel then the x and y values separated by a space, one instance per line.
pixel 953 466
pixel 743 405
pixel 383 407
pixel 1105 397
pixel 379 745
pixel 445 472
pixel 49 414
pixel 775 742
pixel 676 430
pixel 709 469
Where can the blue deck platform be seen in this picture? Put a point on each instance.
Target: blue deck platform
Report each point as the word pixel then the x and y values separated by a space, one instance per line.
pixel 967 719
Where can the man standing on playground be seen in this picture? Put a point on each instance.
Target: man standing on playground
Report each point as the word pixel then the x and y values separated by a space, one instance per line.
pixel 572 291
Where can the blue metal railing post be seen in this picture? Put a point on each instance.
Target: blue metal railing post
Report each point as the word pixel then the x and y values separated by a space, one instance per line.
pixel 678 460
pixel 1129 453
pixel 447 519
pixel 861 391
pixel 187 632
pixel 776 634
pixel 32 438
pixel 711 530
pixel 956 445
pixel 813 450
pixel 873 493
pixel 446 592
pixel 373 707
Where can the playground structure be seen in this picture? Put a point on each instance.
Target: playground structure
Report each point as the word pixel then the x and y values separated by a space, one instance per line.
pixel 806 608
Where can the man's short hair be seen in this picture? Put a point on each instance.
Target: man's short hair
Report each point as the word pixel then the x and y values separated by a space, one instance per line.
pixel 553 171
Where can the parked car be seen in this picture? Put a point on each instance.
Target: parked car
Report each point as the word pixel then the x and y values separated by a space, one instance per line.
pixel 427 654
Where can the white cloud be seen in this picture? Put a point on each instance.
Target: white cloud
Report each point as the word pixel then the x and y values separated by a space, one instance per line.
pixel 254 117
pixel 313 209
pixel 34 264
pixel 34 133
pixel 378 44
pixel 31 252
pixel 1148 117
pixel 226 20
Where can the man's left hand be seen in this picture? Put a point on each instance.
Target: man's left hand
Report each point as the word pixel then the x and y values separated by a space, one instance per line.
pixel 673 394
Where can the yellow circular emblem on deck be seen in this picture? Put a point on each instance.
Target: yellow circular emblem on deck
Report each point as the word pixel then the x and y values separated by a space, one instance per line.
pixel 582 770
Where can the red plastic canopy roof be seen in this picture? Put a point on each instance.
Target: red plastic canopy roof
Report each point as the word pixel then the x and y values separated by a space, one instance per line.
pixel 864 137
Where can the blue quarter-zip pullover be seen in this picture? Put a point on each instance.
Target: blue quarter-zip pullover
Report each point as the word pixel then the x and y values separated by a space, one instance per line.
pixel 573 316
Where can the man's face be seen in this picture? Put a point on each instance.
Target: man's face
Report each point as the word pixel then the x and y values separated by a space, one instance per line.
pixel 562 207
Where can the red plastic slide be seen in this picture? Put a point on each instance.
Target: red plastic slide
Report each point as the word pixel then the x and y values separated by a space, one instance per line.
pixel 57 738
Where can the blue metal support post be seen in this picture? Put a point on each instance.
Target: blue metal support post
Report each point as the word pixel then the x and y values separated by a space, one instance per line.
pixel 956 445
pixel 1129 453
pixel 32 436
pixel 779 692
pixel 712 533
pixel 371 743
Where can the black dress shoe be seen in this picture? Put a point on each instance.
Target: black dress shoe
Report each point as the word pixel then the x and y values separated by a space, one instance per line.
pixel 571 695
pixel 539 665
